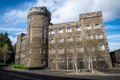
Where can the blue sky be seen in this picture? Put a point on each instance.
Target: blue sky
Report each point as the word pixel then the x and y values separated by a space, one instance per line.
pixel 13 15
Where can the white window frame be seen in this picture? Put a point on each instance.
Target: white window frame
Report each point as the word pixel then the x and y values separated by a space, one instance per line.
pixel 52 32
pixel 27 62
pixel 69 39
pixel 70 50
pixel 78 28
pixel 28 51
pixel 99 36
pixel 69 29
pixel 89 36
pixel 60 51
pixel 88 27
pixel 97 26
pixel 60 30
pixel 101 47
pixel 51 41
pixel 78 38
pixel 52 51
pixel 80 49
pixel 61 40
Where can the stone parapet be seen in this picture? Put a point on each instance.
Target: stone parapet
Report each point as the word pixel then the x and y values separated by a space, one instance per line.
pixel 92 14
pixel 39 11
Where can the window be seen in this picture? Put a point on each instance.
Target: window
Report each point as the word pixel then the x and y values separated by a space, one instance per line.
pixel 43 40
pixel 30 18
pixel 28 51
pixel 78 38
pixel 88 27
pixel 52 32
pixel 43 62
pixel 61 40
pixel 69 29
pixel 90 49
pixel 52 51
pixel 78 28
pixel 61 60
pixel 70 50
pixel 60 31
pixel 97 26
pixel 27 62
pixel 80 50
pixel 102 59
pixel 44 51
pixel 101 47
pixel 89 36
pixel 70 39
pixel 52 60
pixel 99 36
pixel 61 51
pixel 51 41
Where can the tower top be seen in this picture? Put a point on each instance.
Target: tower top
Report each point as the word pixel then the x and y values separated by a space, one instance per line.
pixel 92 14
pixel 39 11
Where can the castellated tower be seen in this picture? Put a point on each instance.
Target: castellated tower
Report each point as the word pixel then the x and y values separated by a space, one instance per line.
pixel 38 22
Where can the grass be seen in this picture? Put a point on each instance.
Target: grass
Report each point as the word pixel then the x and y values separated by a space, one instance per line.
pixel 3 65
pixel 22 66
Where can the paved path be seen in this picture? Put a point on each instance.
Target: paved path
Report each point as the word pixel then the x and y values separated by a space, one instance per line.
pixel 26 75
pixel 12 74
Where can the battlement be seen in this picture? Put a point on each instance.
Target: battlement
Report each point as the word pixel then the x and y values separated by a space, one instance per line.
pixel 92 14
pixel 39 10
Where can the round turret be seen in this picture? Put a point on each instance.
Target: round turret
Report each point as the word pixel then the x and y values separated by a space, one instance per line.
pixel 38 22
pixel 39 11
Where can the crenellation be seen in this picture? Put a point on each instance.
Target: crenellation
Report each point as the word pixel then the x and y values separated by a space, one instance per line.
pixel 92 14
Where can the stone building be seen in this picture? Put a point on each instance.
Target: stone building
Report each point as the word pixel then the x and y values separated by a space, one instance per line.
pixel 66 46
pixel 115 57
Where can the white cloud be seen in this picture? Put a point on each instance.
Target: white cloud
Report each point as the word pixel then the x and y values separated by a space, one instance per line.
pixel 15 17
pixel 111 8
pixel 13 39
pixel 12 29
pixel 69 10
pixel 114 41
pixel 111 27
pixel 66 11
pixel 114 45
pixel 114 37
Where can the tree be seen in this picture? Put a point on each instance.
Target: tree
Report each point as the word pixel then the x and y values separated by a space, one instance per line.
pixel 5 47
pixel 5 53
